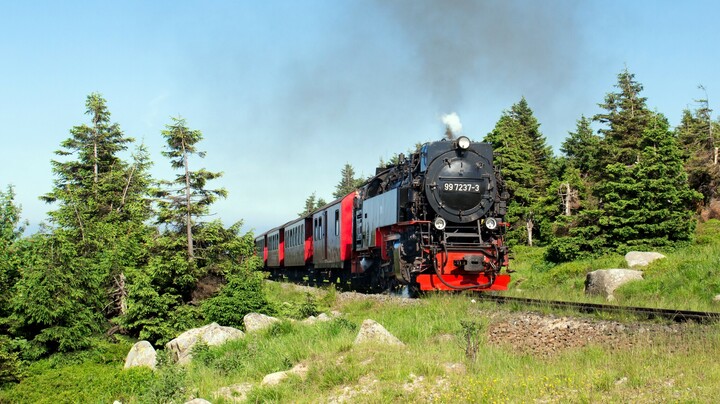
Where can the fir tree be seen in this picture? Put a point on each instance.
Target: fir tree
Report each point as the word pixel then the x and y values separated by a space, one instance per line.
pixel 641 193
pixel 69 280
pixel 649 203
pixel 312 203
pixel 581 147
pixel 524 159
pixel 698 132
pixel 348 182
pixel 11 230
pixel 186 198
pixel 626 116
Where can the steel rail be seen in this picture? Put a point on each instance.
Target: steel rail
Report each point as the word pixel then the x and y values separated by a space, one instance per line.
pixel 679 316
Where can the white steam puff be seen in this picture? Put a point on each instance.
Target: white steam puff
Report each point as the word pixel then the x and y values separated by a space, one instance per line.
pixel 452 122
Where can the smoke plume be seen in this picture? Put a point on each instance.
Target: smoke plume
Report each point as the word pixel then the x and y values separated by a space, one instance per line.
pixel 452 125
pixel 525 46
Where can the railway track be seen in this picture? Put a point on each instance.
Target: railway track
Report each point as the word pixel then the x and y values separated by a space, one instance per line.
pixel 679 316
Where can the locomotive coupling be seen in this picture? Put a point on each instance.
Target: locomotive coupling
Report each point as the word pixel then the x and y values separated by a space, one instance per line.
pixel 471 263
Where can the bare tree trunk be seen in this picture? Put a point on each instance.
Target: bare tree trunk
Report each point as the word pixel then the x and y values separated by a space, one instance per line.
pixel 127 186
pixel 529 226
pixel 188 223
pixel 77 213
pixel 95 164
pixel 568 197
pixel 715 159
pixel 121 294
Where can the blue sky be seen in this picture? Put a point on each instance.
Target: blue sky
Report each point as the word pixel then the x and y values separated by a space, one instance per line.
pixel 287 92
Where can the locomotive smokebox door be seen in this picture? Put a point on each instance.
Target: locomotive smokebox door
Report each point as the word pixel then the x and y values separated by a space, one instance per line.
pixel 460 184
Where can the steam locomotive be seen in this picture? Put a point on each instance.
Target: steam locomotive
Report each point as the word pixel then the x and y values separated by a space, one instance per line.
pixel 433 221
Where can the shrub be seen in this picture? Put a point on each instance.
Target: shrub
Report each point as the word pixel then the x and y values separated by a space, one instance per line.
pixel 308 307
pixel 242 294
pixel 10 369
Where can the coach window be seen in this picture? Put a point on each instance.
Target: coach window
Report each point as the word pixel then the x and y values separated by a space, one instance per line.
pixel 337 222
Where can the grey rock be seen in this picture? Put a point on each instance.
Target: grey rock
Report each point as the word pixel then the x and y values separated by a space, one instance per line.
pixel 276 378
pixel 372 331
pixel 213 334
pixel 322 317
pixel 141 354
pixel 198 401
pixel 256 321
pixel 603 282
pixel 641 259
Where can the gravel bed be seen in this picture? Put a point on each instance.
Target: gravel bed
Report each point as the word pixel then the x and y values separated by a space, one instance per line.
pixel 547 334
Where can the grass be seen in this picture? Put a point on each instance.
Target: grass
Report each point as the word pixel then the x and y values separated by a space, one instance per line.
pixel 434 365
pixel 687 279
pixel 672 368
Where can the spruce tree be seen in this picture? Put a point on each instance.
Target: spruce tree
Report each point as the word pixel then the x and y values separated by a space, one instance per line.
pixel 625 118
pixel 581 148
pixel 70 282
pixel 186 198
pixel 698 133
pixel 641 194
pixel 524 159
pixel 650 202
pixel 187 248
pixel 348 182
pixel 11 230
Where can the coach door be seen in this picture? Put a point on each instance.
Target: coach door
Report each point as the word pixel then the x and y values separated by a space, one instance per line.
pixel 324 235
pixel 320 241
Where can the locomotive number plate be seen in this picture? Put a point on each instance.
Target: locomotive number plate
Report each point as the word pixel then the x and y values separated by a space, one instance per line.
pixel 460 187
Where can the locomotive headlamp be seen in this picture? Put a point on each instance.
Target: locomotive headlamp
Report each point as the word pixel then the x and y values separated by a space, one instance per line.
pixel 463 142
pixel 491 223
pixel 439 223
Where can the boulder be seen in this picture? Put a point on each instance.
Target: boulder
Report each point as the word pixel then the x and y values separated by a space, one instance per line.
pixel 256 321
pixel 641 259
pixel 198 401
pixel 212 334
pixel 603 282
pixel 236 393
pixel 372 331
pixel 276 378
pixel 141 354
pixel 322 317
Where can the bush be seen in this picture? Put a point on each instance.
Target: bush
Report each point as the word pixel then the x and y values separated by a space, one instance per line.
pixel 10 369
pixel 308 307
pixel 242 294
pixel 563 249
